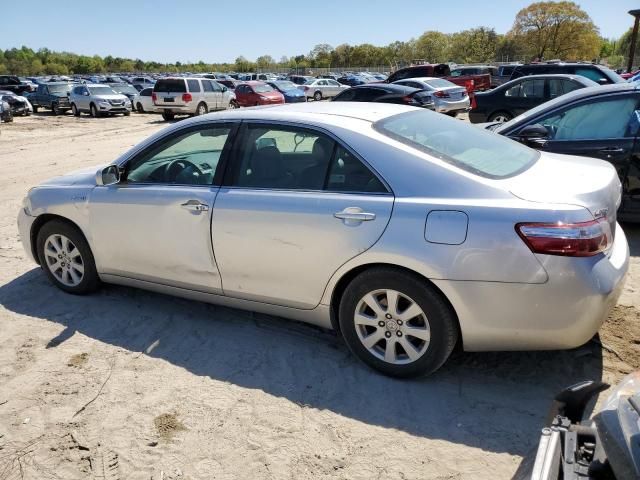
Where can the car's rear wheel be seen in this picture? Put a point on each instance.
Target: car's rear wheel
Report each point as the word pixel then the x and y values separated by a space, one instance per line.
pixel 93 110
pixel 167 117
pixel 66 258
pixel 74 110
pixel 500 117
pixel 317 96
pixel 397 323
pixel 201 109
pixel 139 107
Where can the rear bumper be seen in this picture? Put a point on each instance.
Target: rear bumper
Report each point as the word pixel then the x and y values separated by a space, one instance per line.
pixel 179 110
pixel 564 312
pixel 477 117
pixel 444 106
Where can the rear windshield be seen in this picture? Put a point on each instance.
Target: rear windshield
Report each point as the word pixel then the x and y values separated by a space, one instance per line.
pixel 468 147
pixel 440 83
pixel 176 85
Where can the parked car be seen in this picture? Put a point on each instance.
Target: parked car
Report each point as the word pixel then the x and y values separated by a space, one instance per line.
pixel 387 93
pixel 18 104
pixel 319 89
pixel 353 80
pixel 253 93
pixel 53 96
pixel 634 78
pixel 600 122
pixel 300 79
pixel 466 70
pixel 5 112
pixel 31 84
pixel 504 74
pixel 290 91
pixel 13 84
pixel 332 76
pixel 517 96
pixel 125 89
pixel 143 101
pixel 574 446
pixel 392 224
pixel 98 100
pixel 598 73
pixel 447 97
pixel 145 81
pixel 472 82
pixel 191 96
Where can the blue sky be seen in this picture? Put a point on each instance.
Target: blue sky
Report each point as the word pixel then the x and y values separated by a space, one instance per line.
pixel 217 31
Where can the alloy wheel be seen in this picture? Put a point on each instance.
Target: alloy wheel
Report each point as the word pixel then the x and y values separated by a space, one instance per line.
pixel 392 326
pixel 64 260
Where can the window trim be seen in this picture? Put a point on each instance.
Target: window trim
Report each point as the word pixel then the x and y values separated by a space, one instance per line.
pixel 235 157
pixel 217 175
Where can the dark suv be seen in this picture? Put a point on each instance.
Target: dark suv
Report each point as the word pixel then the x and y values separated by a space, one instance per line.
pixel 13 84
pixel 598 73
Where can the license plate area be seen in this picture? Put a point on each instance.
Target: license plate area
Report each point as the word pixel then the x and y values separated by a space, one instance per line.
pixel 168 99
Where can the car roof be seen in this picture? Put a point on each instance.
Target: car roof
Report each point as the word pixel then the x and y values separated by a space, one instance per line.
pixel 389 87
pixel 565 76
pixel 254 82
pixel 422 79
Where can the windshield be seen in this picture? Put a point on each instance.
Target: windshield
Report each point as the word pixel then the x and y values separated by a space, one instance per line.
pixel 286 85
pixel 59 88
pixel 467 147
pixel 101 91
pixel 262 88
pixel 124 89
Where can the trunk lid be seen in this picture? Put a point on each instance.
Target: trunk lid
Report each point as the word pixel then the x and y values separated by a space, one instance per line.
pixel 588 182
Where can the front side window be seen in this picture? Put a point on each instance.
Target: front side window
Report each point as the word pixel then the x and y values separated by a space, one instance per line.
pixel 609 118
pixel 533 89
pixel 470 148
pixel 206 85
pixel 216 86
pixel 189 158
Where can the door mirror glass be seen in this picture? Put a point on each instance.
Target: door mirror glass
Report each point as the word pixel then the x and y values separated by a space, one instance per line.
pixel 534 131
pixel 110 175
pixel 224 89
pixel 86 94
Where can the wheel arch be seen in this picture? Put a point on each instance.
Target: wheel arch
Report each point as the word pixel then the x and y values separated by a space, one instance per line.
pixel 42 220
pixel 349 276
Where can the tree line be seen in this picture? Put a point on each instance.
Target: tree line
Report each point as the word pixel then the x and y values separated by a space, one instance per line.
pixel 543 30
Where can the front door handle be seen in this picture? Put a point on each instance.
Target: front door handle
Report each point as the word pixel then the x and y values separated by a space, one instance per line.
pixel 612 150
pixel 354 215
pixel 195 206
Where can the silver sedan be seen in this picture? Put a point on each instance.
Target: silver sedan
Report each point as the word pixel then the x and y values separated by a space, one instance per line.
pixel 447 97
pixel 322 88
pixel 405 231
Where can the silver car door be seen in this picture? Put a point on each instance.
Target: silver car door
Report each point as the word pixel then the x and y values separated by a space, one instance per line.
pixel 283 224
pixel 154 225
pixel 217 93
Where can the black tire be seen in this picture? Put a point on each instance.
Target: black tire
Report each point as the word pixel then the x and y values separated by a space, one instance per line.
pixel 74 110
pixel 93 110
pixel 90 280
pixel 233 104
pixel 35 108
pixel 139 107
pixel 201 109
pixel 54 109
pixel 9 117
pixel 167 117
pixel 126 114
pixel 317 96
pixel 442 320
pixel 496 116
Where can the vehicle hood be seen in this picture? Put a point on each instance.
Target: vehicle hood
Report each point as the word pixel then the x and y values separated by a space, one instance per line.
pixel 85 176
pixel 567 179
pixel 110 97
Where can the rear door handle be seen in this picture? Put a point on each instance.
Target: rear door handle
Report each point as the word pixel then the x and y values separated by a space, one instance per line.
pixel 195 206
pixel 612 150
pixel 353 215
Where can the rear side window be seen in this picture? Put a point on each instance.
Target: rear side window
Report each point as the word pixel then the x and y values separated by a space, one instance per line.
pixel 173 85
pixel 592 74
pixel 469 148
pixel 206 84
pixel 194 85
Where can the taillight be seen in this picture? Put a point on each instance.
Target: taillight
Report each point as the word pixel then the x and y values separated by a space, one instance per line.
pixel 440 94
pixel 583 239
pixel 154 97
pixel 186 97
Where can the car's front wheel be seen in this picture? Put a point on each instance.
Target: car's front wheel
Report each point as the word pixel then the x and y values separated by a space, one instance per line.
pixel 93 110
pixel 233 104
pixel 140 108
pixel 397 323
pixel 66 258
pixel 74 110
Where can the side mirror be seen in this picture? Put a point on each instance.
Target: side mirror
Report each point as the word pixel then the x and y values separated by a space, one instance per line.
pixel 109 175
pixel 535 131
pixel 602 81
pixel 86 94
pixel 224 89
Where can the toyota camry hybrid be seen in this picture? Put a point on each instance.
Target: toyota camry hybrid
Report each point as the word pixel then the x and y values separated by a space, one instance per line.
pixel 406 231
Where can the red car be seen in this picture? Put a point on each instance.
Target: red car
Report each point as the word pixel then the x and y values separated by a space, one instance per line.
pixel 473 82
pixel 251 94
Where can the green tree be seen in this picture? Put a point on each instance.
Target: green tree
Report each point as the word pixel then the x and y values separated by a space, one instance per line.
pixel 477 45
pixel 433 46
pixel 556 30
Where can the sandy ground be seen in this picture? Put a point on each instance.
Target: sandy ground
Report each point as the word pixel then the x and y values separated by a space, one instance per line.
pixel 126 384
